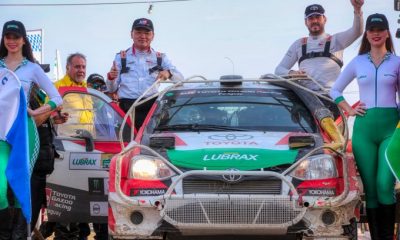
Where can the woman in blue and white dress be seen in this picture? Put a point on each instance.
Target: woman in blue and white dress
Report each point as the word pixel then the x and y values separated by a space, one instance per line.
pixel 16 56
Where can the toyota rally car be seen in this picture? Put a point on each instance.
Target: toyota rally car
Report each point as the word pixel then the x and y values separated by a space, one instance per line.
pixel 235 157
pixel 77 190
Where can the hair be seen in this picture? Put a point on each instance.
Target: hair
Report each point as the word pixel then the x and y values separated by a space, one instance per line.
pixel 71 56
pixel 26 50
pixel 366 46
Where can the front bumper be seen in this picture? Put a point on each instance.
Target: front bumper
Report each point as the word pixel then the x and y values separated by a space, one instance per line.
pixel 227 214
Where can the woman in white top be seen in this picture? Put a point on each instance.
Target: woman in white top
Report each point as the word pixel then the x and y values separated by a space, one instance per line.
pixel 16 55
pixel 376 69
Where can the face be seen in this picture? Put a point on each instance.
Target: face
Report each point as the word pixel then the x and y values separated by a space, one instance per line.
pixel 77 69
pixel 99 86
pixel 13 43
pixel 142 38
pixel 377 37
pixel 316 24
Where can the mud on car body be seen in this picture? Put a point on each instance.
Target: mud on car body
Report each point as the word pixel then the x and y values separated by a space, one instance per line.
pixel 232 158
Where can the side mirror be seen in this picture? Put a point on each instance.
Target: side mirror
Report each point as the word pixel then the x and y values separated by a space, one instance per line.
pixel 87 136
pixel 396 5
pixel 301 141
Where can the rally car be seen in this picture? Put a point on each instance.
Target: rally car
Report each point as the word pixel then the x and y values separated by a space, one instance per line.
pixel 234 157
pixel 77 189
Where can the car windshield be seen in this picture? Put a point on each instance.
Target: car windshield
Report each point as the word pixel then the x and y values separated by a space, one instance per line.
pixel 233 109
pixel 92 114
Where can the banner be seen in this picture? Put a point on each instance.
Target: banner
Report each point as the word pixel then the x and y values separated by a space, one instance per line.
pixel 35 37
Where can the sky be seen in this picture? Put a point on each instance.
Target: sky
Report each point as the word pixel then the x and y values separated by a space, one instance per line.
pixel 201 37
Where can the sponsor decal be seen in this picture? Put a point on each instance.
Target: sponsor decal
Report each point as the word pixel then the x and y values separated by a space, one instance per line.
pixel 106 160
pixel 230 137
pixel 53 212
pixel 60 200
pixel 98 208
pixel 96 186
pixel 320 192
pixel 85 161
pixel 223 158
pixel 231 143
pixel 230 156
pixel 147 192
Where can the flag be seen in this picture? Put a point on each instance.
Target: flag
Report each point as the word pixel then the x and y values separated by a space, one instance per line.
pixel 393 153
pixel 35 38
pixel 14 130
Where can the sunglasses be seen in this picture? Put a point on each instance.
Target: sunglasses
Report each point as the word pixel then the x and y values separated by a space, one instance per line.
pixel 99 86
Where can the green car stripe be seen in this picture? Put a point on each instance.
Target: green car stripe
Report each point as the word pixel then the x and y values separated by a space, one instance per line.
pixel 239 158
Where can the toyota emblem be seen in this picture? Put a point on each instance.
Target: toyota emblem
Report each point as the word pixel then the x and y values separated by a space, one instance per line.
pixel 232 178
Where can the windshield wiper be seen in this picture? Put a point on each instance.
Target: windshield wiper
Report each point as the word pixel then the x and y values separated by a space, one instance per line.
pixel 198 127
pixel 177 127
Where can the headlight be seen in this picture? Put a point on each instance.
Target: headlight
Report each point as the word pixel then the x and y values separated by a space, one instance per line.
pixel 316 167
pixel 149 168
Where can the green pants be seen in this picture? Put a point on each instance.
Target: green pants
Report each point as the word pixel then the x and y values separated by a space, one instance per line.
pixel 371 136
pixel 4 153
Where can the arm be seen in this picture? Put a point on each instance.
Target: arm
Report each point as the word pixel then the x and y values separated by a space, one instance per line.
pixel 346 38
pixel 289 60
pixel 113 77
pixel 41 79
pixel 344 79
pixel 169 70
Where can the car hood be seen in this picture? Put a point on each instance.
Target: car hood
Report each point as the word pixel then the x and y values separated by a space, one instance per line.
pixel 223 150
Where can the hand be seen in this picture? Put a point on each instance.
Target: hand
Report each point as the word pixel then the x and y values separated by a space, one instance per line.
pixel 113 73
pixel 61 118
pixel 357 4
pixel 31 112
pixel 298 72
pixel 358 110
pixel 164 75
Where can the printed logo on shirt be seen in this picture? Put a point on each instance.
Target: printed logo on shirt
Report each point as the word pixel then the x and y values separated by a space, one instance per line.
pixel 389 75
pixel 150 62
pixel 4 80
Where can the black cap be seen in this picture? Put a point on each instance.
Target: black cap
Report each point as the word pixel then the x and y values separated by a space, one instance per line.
pixel 314 9
pixel 14 27
pixel 377 20
pixel 143 23
pixel 95 78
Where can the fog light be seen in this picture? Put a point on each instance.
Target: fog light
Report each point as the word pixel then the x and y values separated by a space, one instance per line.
pixel 136 217
pixel 328 217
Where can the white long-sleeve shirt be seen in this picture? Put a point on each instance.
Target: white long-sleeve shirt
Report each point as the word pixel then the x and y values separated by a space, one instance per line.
pixel 378 84
pixel 137 80
pixel 29 73
pixel 322 69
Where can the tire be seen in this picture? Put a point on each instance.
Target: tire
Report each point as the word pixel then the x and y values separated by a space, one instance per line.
pixel 351 230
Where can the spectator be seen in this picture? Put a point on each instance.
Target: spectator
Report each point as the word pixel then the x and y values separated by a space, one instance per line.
pixel 137 68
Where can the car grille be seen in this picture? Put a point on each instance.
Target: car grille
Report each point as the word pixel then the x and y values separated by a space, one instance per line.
pixel 202 211
pixel 254 187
